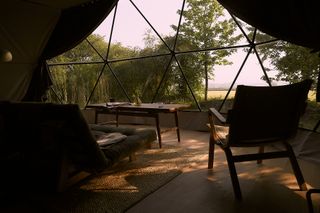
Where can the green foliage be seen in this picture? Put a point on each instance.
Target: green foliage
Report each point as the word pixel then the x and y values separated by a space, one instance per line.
pixel 311 116
pixel 206 26
pixel 73 83
pixel 294 63
pixel 75 72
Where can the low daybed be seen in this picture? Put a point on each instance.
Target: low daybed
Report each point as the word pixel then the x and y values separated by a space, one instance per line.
pixel 42 144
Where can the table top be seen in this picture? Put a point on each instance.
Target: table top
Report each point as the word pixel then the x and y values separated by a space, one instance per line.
pixel 152 107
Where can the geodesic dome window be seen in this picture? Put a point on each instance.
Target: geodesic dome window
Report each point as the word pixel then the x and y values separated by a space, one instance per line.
pixel 181 51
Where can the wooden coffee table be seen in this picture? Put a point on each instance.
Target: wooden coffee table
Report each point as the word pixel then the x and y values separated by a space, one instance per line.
pixel 143 110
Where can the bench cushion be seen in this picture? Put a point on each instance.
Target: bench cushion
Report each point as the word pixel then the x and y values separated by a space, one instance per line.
pixel 135 140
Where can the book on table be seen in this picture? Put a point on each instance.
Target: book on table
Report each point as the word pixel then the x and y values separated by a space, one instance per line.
pixel 111 104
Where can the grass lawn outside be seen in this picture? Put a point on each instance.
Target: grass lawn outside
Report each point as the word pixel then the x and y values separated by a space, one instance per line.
pixel 220 94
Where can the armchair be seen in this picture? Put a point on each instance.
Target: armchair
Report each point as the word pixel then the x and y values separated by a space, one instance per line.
pixel 260 116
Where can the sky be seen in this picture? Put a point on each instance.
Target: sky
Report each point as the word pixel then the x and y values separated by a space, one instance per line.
pixel 130 29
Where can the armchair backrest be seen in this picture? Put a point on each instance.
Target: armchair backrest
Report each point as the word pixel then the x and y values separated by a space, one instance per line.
pixel 265 114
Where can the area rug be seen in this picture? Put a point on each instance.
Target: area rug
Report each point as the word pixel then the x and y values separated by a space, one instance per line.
pixel 117 189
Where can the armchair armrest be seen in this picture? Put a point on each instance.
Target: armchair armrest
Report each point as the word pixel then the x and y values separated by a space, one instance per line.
pixel 215 113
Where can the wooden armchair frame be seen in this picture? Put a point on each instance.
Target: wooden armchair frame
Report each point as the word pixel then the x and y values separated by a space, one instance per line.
pixel 260 116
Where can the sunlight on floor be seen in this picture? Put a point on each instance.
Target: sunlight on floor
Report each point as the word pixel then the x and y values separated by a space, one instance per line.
pixel 270 186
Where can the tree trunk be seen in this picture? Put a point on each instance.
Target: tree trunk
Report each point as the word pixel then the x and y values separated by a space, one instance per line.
pixel 206 77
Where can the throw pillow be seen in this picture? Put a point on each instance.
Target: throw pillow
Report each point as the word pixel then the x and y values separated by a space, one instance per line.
pixel 105 139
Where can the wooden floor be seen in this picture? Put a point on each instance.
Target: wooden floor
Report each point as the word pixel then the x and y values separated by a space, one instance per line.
pixel 270 187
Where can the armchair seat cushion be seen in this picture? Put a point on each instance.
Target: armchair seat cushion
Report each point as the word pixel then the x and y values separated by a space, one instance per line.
pixel 221 134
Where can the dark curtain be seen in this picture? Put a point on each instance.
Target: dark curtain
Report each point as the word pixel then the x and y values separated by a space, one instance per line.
pixel 294 21
pixel 74 25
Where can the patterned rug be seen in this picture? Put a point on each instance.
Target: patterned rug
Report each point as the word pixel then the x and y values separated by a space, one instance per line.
pixel 118 189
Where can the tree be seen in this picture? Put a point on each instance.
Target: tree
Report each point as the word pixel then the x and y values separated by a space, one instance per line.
pixel 73 83
pixel 293 63
pixel 205 27
pixel 174 86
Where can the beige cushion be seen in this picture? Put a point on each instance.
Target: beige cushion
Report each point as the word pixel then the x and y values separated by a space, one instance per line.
pixel 105 139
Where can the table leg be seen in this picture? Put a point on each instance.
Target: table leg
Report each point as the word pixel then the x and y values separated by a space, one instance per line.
pixel 117 118
pixel 95 116
pixel 177 125
pixel 158 129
